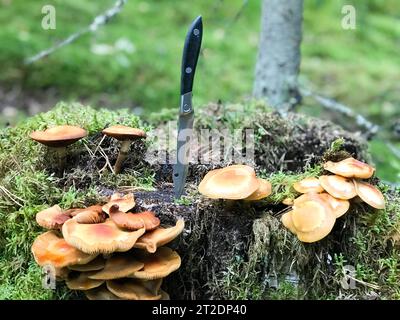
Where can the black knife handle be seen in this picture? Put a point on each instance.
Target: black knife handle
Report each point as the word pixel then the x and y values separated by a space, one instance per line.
pixel 190 56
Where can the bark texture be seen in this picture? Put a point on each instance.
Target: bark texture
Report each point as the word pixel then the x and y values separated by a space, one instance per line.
pixel 278 59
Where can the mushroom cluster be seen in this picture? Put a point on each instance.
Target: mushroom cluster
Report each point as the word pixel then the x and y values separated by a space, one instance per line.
pixel 59 137
pixel 324 199
pixel 235 182
pixel 107 251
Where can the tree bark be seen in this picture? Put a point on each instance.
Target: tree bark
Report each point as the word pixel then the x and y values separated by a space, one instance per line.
pixel 278 61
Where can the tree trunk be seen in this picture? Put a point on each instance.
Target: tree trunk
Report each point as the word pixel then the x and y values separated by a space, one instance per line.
pixel 278 59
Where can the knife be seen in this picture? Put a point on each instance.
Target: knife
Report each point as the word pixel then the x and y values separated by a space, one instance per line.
pixel 190 56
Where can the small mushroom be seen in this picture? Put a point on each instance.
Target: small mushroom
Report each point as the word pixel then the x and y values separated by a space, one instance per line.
pixel 120 265
pixel 51 248
pixel 134 221
pixel 131 289
pixel 124 202
pixel 370 194
pixel 59 138
pixel 126 135
pixel 157 265
pixel 52 218
pixel 152 240
pixel 233 182
pixel 263 191
pixel 94 265
pixel 101 293
pixel 350 168
pixel 308 185
pixel 338 187
pixel 103 237
pixel 287 201
pixel 313 219
pixel 81 281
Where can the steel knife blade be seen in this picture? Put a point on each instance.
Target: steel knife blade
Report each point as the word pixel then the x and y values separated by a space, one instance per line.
pixel 190 56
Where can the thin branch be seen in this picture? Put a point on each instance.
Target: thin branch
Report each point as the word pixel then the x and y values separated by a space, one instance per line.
pixel 100 20
pixel 330 104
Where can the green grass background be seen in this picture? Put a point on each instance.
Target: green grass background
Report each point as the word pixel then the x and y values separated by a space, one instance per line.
pixel 357 67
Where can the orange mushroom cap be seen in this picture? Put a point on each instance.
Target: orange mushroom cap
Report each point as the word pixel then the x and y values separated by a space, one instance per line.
pixel 263 191
pixel 51 248
pixel 124 202
pixel 308 185
pixel 100 293
pixel 350 168
pixel 81 281
pixel 90 216
pixel 233 182
pixel 370 194
pixel 134 221
pixel 52 218
pixel 103 237
pixel 120 265
pixel 157 265
pixel 131 289
pixel 59 136
pixel 75 211
pixel 121 132
pixel 338 187
pixel 287 221
pixel 339 206
pixel 313 219
pixel 152 240
pixel 94 265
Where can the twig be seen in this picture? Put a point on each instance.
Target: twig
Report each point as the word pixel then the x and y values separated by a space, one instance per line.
pixel 330 104
pixel 100 20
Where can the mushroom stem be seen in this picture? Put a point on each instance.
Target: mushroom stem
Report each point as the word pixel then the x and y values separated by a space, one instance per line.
pixel 62 159
pixel 122 155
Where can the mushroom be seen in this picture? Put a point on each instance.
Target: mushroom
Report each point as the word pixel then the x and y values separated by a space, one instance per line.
pixel 81 281
pixel 94 265
pixel 287 221
pixel 339 206
pixel 51 248
pixel 101 293
pixel 52 218
pixel 126 135
pixel 131 289
pixel 339 187
pixel 118 266
pixel 152 240
pixel 59 138
pixel 89 216
pixel 124 202
pixel 263 191
pixel 308 185
pixel 75 211
pixel 233 182
pixel 103 237
pixel 370 194
pixel 312 219
pixel 134 221
pixel 157 265
pixel 350 168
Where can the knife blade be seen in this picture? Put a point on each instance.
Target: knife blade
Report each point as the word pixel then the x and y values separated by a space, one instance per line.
pixel 190 57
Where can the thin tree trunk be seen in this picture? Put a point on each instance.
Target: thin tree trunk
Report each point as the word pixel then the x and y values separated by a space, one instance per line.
pixel 278 60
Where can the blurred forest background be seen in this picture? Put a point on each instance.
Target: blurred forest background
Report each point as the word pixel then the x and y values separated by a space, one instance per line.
pixel 134 60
